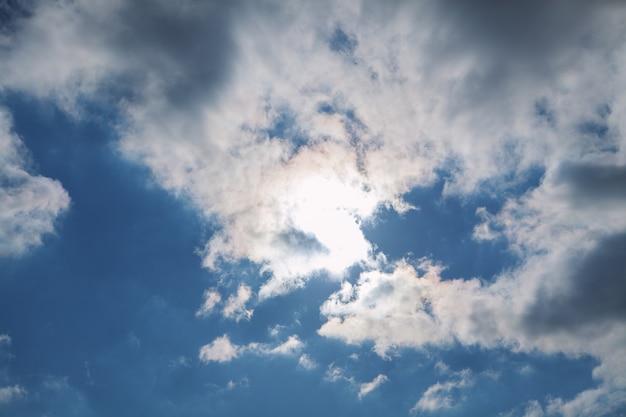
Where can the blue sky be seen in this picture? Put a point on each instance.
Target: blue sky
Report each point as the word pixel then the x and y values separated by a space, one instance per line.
pixel 312 208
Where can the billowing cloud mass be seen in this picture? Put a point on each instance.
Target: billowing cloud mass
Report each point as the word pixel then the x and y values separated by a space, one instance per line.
pixel 290 125
pixel 29 203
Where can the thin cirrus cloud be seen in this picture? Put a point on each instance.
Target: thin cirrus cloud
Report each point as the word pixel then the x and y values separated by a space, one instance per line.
pixel 291 127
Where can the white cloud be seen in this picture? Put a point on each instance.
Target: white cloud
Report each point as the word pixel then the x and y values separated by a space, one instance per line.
pixel 484 230
pixel 11 393
pixel 5 339
pixel 235 307
pixel 223 350
pixel 306 362
pixel 211 299
pixel 290 159
pixel 292 345
pixel 220 350
pixel 440 395
pixel 368 387
pixel 336 374
pixel 29 203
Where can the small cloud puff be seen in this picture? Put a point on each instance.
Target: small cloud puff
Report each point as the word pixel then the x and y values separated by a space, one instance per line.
pixel 235 307
pixel 223 350
pixel 211 299
pixel 439 396
pixel 368 387
pixel 306 362
pixel 220 350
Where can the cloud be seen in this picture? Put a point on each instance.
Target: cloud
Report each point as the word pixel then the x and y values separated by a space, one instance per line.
pixel 235 307
pixel 439 395
pixel 11 393
pixel 306 362
pixel 5 339
pixel 292 345
pixel 349 107
pixel 368 387
pixel 220 350
pixel 29 203
pixel 340 117
pixel 337 374
pixel 211 299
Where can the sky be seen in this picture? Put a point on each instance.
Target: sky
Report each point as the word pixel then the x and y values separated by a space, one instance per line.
pixel 251 208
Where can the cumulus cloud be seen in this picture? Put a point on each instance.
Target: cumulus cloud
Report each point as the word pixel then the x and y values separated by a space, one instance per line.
pixel 219 350
pixel 349 107
pixel 29 203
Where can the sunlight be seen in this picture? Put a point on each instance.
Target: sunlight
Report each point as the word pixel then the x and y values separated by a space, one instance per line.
pixel 331 211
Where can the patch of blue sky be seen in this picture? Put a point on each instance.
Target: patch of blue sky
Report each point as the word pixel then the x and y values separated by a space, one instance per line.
pixel 285 127
pixel 440 229
pixel 118 285
pixel 342 42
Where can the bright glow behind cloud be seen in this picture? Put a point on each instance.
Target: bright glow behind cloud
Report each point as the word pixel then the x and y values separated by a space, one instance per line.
pixel 315 115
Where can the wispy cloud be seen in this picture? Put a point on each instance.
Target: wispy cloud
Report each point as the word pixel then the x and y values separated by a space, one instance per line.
pixel 440 395
pixel 11 393
pixel 306 362
pixel 235 306
pixel 29 203
pixel 367 387
pixel 211 299
pixel 223 350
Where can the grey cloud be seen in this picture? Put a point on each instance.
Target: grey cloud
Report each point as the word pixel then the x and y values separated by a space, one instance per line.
pixel 300 242
pixel 591 182
pixel 509 32
pixel 595 291
pixel 188 45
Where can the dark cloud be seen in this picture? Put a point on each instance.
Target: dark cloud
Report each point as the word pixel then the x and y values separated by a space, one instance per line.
pixel 186 45
pixel 592 182
pixel 514 29
pixel 596 291
pixel 11 11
